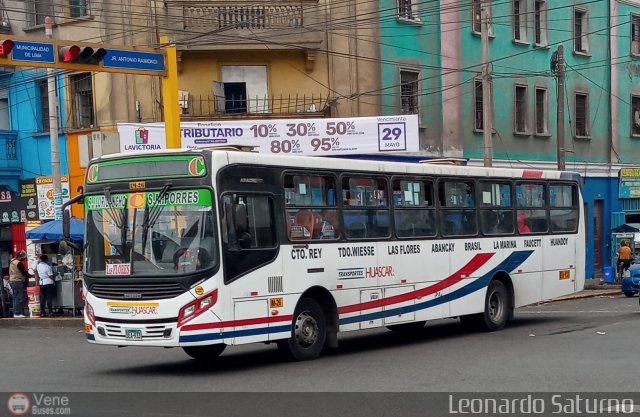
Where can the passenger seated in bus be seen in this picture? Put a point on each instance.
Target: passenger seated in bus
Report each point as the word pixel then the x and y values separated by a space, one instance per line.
pixel 330 225
pixel 523 227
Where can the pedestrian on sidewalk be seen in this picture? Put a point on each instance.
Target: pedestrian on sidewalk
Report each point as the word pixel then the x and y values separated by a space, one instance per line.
pixel 44 273
pixel 18 276
pixel 624 259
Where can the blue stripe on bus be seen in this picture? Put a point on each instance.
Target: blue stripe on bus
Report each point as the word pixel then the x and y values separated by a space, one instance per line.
pixel 512 262
pixel 235 333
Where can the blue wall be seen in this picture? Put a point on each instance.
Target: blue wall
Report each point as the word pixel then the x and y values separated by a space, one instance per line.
pixel 34 147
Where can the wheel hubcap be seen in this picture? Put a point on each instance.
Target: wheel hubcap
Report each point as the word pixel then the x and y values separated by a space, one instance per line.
pixel 496 307
pixel 306 329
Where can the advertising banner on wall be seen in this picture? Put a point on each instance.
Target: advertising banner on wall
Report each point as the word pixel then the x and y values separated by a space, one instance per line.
pixel 44 190
pixel 29 194
pixel 316 137
pixel 12 207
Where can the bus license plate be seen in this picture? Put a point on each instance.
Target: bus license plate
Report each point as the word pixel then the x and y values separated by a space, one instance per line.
pixel 566 274
pixel 134 334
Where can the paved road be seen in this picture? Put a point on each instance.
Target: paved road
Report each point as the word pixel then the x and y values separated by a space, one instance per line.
pixel 588 345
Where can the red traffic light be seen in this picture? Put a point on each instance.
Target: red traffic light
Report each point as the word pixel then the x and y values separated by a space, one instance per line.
pixel 6 46
pixel 69 53
pixel 82 54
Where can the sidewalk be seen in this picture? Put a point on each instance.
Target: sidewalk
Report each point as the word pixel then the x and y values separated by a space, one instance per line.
pixel 44 322
pixel 592 288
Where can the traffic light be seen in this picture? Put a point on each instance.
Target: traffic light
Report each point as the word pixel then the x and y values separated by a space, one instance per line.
pixel 75 54
pixel 6 45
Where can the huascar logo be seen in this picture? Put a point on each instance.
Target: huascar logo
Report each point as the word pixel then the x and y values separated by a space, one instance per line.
pixel 18 404
pixel 133 309
pixel 142 136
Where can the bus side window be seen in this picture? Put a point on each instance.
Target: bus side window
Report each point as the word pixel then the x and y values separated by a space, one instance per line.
pixel 248 222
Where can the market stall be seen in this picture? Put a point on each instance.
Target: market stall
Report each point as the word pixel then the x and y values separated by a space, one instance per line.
pixel 66 266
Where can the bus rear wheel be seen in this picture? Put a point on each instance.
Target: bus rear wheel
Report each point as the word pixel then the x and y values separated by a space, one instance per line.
pixel 204 353
pixel 497 310
pixel 309 332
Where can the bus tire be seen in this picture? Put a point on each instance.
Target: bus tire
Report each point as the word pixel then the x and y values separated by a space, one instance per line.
pixel 309 332
pixel 629 294
pixel 204 353
pixel 407 328
pixel 497 307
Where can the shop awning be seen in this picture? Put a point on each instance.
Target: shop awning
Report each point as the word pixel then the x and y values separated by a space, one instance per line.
pixel 53 231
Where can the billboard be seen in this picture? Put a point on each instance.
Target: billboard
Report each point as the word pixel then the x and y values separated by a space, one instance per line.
pixel 315 137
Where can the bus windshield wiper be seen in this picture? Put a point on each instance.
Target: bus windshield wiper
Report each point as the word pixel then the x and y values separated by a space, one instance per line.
pixel 112 210
pixel 151 214
pixel 118 218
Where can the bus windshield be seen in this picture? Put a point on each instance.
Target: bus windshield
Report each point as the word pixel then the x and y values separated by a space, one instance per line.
pixel 161 233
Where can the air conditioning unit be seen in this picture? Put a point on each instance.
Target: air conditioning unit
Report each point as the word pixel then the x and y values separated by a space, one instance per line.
pixel 183 101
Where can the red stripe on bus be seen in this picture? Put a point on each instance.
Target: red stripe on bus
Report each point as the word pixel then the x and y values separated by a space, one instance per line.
pixel 473 265
pixel 527 173
pixel 236 323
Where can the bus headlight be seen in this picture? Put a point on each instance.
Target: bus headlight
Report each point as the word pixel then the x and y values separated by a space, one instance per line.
pixel 197 307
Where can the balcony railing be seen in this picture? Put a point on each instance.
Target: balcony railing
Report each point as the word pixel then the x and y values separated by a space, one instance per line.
pixel 243 16
pixel 205 106
pixel 9 151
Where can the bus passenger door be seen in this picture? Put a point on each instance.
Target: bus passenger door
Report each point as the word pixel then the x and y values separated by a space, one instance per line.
pixel 371 317
pixel 245 331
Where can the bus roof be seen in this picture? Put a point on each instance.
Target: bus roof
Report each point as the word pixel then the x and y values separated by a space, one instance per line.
pixel 444 166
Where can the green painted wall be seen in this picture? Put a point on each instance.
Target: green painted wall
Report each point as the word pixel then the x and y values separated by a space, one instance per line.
pixel 626 84
pixel 524 64
pixel 413 46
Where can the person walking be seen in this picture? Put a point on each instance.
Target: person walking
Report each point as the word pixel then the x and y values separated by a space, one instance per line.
pixel 18 276
pixel 624 259
pixel 47 285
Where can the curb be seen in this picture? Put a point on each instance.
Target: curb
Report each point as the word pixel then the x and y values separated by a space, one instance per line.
pixel 43 323
pixel 584 294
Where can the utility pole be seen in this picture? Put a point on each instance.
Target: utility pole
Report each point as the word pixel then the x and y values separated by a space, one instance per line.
pixel 558 64
pixel 53 129
pixel 487 117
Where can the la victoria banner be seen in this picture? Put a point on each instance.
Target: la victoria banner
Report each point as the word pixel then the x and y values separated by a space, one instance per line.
pixel 317 137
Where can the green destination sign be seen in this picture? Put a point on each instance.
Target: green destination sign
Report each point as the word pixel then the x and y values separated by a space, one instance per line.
pixel 149 199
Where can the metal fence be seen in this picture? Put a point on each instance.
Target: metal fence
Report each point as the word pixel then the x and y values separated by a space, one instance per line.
pixel 199 106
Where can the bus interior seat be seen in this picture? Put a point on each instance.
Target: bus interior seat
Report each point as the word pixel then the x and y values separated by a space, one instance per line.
pixel 357 230
pixel 170 247
pixel 307 220
pixel 450 228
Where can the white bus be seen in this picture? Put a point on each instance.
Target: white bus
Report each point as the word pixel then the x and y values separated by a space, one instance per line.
pixel 201 249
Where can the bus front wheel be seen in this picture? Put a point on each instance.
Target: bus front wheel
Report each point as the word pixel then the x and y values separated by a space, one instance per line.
pixel 309 332
pixel 204 353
